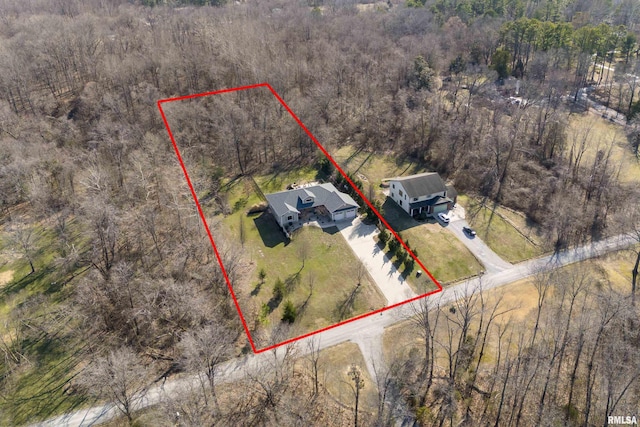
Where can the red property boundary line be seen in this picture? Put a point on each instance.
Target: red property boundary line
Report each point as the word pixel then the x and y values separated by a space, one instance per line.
pixel 333 162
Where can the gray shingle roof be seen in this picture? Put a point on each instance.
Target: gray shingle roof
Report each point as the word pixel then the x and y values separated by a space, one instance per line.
pixel 323 195
pixel 421 184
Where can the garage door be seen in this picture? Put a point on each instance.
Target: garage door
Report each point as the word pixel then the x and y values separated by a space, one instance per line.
pixel 338 216
pixel 351 213
pixel 439 208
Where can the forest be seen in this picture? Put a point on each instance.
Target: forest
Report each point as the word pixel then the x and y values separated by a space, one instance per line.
pixel 107 279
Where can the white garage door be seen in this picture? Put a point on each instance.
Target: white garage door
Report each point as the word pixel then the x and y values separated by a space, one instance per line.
pixel 351 213
pixel 338 216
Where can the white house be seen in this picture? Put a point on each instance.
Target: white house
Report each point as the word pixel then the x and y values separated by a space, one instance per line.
pixel 422 193
pixel 287 206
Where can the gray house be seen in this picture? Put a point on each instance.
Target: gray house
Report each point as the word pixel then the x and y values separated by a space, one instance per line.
pixel 289 206
pixel 422 193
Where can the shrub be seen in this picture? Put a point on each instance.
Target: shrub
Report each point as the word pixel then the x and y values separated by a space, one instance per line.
pixel 402 255
pixel 383 236
pixel 263 316
pixel 289 314
pixel 257 208
pixel 409 264
pixel 278 290
pixel 394 245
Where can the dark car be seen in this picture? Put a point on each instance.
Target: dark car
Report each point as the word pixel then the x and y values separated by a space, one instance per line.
pixel 469 231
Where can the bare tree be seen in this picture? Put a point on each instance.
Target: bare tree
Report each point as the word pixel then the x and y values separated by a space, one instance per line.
pixel 313 356
pixel 120 377
pixel 355 374
pixel 23 237
pixel 203 350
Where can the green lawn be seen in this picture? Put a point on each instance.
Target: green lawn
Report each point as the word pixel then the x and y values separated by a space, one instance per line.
pixel 502 237
pixel 279 181
pixel 316 266
pixel 440 251
pixel 375 167
pixel 38 386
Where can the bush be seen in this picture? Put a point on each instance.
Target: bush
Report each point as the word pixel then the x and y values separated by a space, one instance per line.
pixel 409 264
pixel 289 314
pixel 257 208
pixel 278 290
pixel 402 256
pixel 394 245
pixel 383 236
pixel 263 317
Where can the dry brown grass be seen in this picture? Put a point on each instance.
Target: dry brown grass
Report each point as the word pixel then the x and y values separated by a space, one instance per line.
pixel 602 135
pixel 518 302
pixel 338 361
pixel 5 277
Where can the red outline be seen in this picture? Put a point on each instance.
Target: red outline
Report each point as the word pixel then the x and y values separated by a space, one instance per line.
pixel 215 249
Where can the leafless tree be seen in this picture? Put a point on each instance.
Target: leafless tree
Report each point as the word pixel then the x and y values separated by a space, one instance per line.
pixel 120 377
pixel 24 239
pixel 203 351
pixel 313 356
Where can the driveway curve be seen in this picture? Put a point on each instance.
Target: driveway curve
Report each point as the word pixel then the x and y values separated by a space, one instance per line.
pixel 491 261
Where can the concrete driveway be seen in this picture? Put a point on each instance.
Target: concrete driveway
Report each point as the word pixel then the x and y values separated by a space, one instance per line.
pixel 360 236
pixel 491 261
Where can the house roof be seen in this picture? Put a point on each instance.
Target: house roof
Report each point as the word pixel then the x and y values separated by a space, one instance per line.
pixel 451 192
pixel 322 194
pixel 422 184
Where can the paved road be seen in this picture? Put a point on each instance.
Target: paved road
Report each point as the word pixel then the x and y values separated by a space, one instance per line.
pixel 491 261
pixel 366 329
pixel 360 236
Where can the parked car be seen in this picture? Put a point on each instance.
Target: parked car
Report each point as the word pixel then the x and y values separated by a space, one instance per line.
pixel 444 217
pixel 469 231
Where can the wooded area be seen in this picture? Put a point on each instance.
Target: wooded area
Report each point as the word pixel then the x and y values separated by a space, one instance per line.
pixel 109 262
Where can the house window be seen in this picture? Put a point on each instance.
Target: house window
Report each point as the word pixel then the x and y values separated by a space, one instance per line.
pixel 393 185
pixel 289 217
pixel 400 192
pixel 400 202
pixel 415 199
pixel 308 200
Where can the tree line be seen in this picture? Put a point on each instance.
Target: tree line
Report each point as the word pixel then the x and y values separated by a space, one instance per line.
pixel 88 176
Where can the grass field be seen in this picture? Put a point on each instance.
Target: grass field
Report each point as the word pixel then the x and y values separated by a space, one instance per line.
pixel 36 385
pixel 340 358
pixel 374 167
pixel 440 251
pixel 500 235
pixel 601 135
pixel 317 267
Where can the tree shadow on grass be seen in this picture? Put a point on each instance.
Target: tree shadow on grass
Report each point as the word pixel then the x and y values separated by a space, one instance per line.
pixel 274 302
pixel 30 279
pixel 256 290
pixel 48 389
pixel 344 309
pixel 270 232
